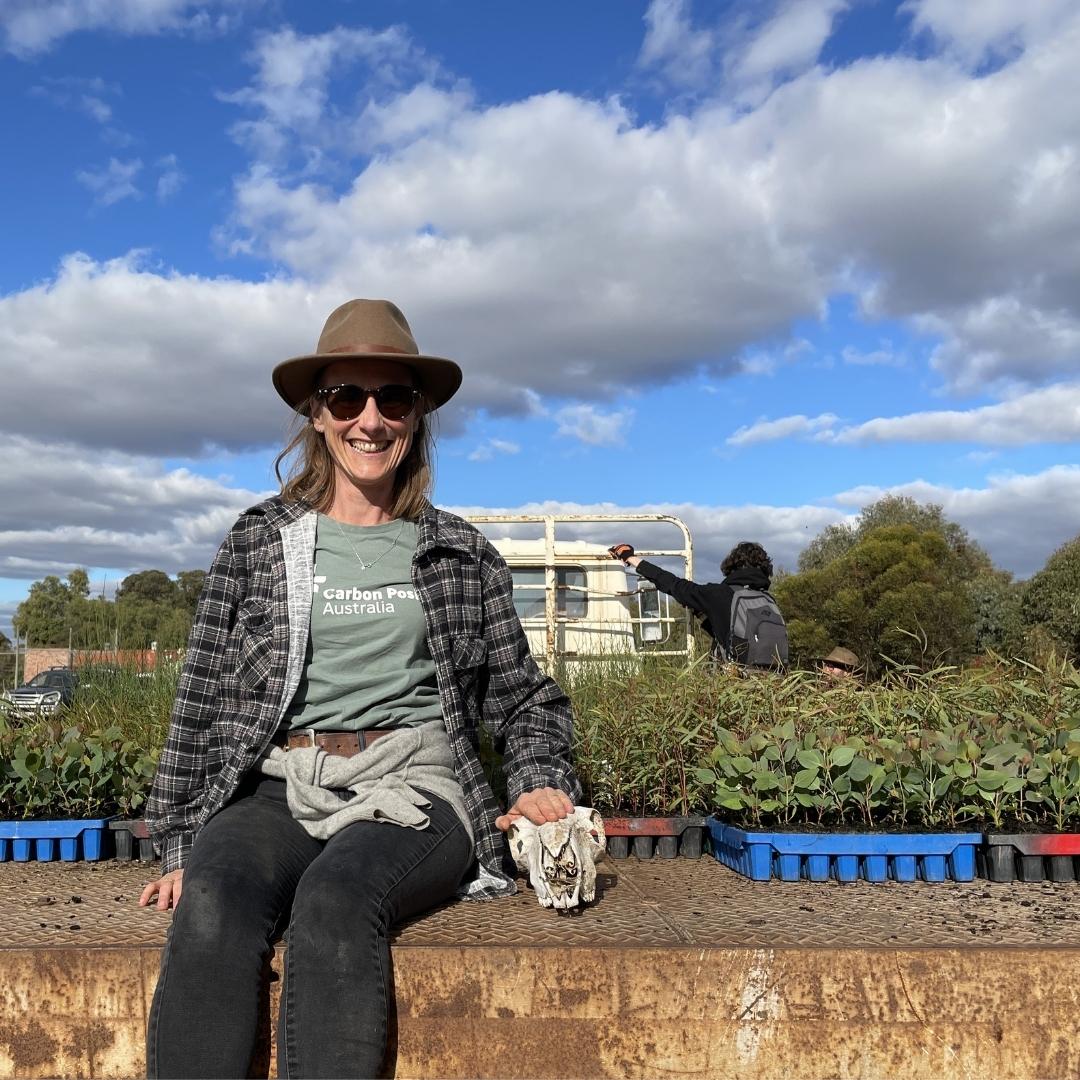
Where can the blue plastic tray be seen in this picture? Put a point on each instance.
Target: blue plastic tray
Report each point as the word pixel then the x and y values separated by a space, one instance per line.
pixel 846 856
pixel 22 841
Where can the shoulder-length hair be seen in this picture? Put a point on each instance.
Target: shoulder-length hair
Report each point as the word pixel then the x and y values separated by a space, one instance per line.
pixel 309 476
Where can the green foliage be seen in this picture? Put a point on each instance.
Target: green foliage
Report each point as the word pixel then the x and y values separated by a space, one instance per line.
pixel 50 771
pixel 1051 600
pixel 996 747
pixel 149 607
pixel 836 541
pixel 897 593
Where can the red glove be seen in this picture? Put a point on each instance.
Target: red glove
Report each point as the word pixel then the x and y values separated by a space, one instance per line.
pixel 621 551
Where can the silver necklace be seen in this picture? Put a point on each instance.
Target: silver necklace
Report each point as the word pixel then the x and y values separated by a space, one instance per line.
pixel 368 565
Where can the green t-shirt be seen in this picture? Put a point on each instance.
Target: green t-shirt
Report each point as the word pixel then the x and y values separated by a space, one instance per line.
pixel 367 662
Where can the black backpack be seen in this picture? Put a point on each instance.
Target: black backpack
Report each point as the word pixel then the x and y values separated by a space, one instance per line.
pixel 758 634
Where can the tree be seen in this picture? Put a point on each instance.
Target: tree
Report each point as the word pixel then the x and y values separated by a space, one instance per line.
pixel 894 593
pixel 154 586
pixel 42 618
pixel 190 584
pixel 836 540
pixel 5 642
pixel 1051 601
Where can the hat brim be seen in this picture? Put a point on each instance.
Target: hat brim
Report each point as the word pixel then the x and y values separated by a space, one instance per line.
pixel 437 378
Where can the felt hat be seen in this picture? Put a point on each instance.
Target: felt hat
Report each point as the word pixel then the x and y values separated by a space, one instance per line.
pixel 367 330
pixel 840 657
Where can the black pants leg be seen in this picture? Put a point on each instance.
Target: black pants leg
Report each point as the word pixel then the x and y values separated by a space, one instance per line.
pixel 249 864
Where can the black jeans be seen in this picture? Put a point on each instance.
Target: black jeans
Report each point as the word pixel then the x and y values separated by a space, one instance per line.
pixel 249 866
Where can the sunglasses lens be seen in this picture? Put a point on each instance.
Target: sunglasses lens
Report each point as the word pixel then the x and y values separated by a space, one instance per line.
pixel 346 402
pixel 395 402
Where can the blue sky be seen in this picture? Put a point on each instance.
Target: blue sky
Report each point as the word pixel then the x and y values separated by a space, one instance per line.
pixel 753 263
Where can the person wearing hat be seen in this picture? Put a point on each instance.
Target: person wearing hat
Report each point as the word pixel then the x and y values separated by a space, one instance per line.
pixel 840 663
pixel 322 770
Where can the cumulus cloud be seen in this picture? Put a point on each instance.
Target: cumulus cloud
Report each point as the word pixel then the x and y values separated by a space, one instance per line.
pixel 34 26
pixel 883 357
pixel 489 448
pixel 1020 519
pixel 171 179
pixel 118 511
pixel 166 364
pixel 393 97
pixel 1050 415
pixel 788 41
pixel 975 31
pixel 674 47
pixel 1043 416
pixel 113 182
pixel 783 428
pixel 74 92
pixel 878 177
pixel 592 425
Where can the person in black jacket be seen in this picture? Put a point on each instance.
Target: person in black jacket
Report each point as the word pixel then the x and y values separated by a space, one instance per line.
pixel 746 564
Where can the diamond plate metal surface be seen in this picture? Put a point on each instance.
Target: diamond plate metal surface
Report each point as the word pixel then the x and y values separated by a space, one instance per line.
pixel 646 904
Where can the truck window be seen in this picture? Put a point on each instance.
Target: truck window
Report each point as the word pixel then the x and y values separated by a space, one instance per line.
pixel 570 599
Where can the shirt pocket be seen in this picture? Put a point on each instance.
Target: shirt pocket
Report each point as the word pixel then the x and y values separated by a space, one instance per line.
pixel 469 656
pixel 256 644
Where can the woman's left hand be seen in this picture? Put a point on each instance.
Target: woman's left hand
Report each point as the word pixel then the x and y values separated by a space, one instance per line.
pixel 539 805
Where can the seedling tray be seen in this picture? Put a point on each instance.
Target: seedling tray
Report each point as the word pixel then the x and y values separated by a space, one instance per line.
pixel 131 836
pixel 666 836
pixel 792 856
pixel 23 841
pixel 1031 857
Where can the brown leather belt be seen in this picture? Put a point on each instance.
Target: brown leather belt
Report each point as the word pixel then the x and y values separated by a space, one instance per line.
pixel 341 743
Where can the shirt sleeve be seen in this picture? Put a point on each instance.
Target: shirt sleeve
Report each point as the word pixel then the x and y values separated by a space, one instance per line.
pixel 172 808
pixel 527 712
pixel 689 593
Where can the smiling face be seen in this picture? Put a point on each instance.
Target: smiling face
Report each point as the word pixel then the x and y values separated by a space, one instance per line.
pixel 367 450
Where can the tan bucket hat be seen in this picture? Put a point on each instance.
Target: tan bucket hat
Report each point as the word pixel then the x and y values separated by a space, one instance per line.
pixel 367 330
pixel 840 657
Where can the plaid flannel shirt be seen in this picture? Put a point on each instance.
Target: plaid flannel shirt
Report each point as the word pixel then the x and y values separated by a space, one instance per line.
pixel 245 657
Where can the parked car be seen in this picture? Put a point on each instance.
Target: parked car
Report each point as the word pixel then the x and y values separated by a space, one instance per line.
pixel 46 692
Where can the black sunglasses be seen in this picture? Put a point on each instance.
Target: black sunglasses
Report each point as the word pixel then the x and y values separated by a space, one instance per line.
pixel 347 402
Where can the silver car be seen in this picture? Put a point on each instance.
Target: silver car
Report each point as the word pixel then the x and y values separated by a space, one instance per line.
pixel 46 692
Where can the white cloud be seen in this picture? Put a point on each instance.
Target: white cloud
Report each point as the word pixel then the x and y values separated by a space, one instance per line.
pixel 1050 415
pixel 34 26
pixel 990 26
pixel 82 94
pixel 290 94
pixel 1042 416
pixel 783 428
pixel 789 41
pixel 880 177
pixel 113 183
pixel 166 364
pixel 1020 519
pixel 118 511
pixel 673 46
pixel 1001 339
pixel 488 449
pixel 171 178
pixel 593 426
pixel 883 357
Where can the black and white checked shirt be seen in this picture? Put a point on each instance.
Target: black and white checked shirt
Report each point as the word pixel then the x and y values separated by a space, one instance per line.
pixel 245 656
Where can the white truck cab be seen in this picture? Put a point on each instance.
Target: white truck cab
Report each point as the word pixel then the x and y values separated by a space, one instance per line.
pixel 576 603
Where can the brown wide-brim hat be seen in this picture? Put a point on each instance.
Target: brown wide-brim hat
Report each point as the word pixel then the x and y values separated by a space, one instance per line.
pixel 367 330
pixel 840 657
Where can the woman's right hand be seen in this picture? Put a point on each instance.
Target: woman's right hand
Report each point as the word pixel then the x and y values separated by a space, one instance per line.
pixel 167 889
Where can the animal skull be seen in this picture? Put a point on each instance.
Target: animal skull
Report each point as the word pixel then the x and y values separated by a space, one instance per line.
pixel 560 856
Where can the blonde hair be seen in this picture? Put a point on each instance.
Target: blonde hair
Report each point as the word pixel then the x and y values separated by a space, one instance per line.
pixel 310 476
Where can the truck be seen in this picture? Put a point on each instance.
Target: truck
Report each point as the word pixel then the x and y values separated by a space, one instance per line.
pixel 575 602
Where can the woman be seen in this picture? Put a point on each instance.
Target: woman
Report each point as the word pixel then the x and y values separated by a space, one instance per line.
pixel 345 615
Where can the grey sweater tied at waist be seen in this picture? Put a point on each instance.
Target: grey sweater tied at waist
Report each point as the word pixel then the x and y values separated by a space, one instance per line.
pixel 383 783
